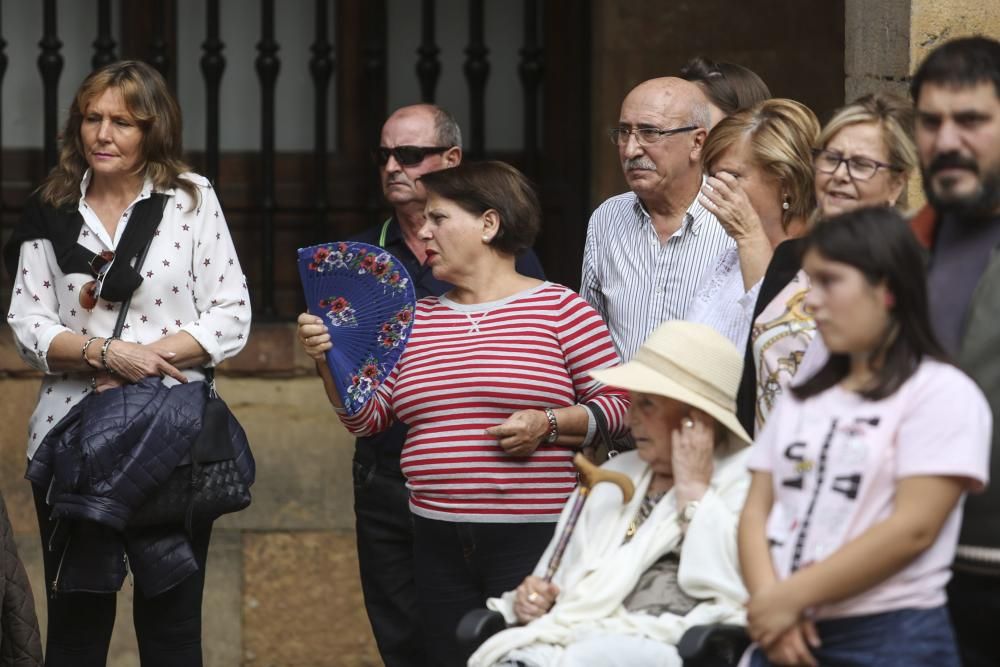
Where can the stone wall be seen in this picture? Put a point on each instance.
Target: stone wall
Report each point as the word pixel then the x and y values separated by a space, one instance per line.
pixel 795 46
pixel 282 587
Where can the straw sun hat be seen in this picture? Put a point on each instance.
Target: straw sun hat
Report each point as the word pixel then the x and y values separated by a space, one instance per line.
pixel 688 362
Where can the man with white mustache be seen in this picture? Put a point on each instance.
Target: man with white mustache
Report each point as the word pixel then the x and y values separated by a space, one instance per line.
pixel 647 249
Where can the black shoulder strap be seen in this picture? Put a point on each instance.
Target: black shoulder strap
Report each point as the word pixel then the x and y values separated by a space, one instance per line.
pixel 120 323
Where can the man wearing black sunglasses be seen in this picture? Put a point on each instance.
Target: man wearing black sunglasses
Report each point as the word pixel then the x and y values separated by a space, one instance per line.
pixel 415 140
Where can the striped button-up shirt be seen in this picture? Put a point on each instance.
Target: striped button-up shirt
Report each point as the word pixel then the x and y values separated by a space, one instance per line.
pixel 635 282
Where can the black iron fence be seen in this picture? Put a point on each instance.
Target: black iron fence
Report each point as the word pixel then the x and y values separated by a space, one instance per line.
pixel 276 199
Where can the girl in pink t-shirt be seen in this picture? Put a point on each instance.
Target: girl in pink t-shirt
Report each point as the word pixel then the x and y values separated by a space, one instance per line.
pixel 853 514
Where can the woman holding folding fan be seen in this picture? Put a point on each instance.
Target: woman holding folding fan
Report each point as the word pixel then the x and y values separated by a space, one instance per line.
pixel 495 386
pixel 120 192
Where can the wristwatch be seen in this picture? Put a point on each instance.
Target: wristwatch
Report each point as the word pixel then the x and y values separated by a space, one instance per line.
pixel 687 512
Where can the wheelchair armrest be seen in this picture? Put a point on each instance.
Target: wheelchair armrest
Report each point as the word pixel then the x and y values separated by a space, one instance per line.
pixel 703 643
pixel 478 625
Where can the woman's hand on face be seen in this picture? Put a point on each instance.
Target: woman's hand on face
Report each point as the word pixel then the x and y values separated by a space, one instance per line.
pixel 313 336
pixel 692 456
pixel 522 432
pixel 133 362
pixel 792 648
pixel 771 612
pixel 723 196
pixel 533 598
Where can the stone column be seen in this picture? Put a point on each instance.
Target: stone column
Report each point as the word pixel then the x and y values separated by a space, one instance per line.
pixel 885 40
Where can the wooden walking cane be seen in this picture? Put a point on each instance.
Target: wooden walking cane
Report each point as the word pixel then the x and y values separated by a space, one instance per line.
pixel 590 476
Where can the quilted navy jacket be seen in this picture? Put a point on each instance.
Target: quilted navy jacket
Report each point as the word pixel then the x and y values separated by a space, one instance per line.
pixel 103 460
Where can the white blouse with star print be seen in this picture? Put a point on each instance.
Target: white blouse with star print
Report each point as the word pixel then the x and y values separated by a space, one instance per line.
pixel 192 281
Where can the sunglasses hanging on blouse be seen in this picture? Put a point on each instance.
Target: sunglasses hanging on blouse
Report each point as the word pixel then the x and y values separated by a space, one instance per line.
pixel 91 291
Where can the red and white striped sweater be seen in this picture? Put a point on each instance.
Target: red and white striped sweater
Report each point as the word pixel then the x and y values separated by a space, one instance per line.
pixel 469 367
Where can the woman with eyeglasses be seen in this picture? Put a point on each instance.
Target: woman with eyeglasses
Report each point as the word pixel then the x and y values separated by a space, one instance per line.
pixel 759 185
pixel 858 478
pixel 495 387
pixel 863 157
pixel 119 185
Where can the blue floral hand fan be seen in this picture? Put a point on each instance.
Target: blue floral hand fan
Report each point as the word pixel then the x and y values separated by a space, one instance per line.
pixel 366 299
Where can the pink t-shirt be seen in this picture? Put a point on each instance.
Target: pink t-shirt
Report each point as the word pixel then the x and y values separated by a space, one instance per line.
pixel 835 460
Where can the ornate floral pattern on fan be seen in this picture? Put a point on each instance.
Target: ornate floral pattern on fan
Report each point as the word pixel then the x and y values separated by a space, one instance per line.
pixel 366 298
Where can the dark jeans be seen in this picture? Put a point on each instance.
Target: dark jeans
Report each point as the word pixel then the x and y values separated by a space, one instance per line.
pixel 459 565
pixel 167 626
pixel 385 556
pixel 974 604
pixel 902 638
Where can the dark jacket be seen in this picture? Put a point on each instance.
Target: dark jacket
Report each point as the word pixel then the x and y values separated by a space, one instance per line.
pixel 979 357
pixel 100 462
pixel 20 642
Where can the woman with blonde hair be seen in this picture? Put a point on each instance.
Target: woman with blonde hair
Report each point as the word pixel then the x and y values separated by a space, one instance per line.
pixel 863 157
pixel 759 185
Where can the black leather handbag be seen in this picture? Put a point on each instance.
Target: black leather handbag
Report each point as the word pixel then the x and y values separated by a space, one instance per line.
pixel 212 483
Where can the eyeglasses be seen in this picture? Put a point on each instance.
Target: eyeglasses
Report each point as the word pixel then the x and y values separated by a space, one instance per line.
pixel 644 135
pixel 858 168
pixel 407 156
pixel 91 291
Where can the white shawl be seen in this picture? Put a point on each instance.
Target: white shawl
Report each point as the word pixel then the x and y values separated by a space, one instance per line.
pixel 598 572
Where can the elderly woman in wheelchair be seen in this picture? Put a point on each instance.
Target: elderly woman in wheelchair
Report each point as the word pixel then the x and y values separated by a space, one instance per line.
pixel 636 575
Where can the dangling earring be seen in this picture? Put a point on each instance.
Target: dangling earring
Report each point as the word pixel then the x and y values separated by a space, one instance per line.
pixel 785 205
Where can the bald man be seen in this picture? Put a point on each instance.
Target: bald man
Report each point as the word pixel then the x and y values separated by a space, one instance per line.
pixel 647 248
pixel 415 140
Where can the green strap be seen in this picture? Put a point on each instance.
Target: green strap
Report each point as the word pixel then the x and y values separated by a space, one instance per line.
pixel 384 232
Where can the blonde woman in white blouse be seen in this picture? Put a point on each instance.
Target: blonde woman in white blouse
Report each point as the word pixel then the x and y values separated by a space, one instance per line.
pixel 759 184
pixel 120 155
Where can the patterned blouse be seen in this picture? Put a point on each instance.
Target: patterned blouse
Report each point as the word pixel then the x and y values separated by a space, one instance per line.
pixel 780 336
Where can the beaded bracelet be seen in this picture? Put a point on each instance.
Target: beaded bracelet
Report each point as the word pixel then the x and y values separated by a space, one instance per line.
pixel 83 352
pixel 104 353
